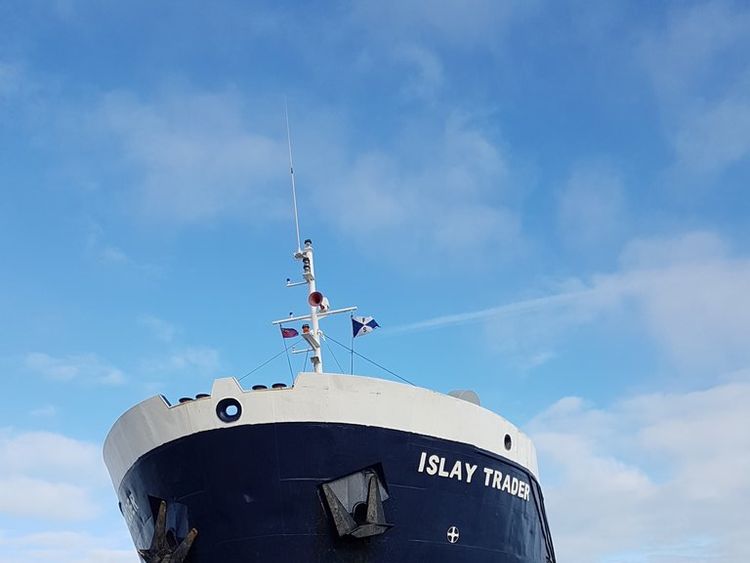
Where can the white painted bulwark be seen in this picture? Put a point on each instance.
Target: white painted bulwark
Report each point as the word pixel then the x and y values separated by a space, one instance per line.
pixel 319 398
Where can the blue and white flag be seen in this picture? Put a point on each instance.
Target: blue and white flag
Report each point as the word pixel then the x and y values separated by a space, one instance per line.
pixel 363 325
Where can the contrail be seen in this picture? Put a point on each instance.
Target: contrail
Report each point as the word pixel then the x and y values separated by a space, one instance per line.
pixel 524 306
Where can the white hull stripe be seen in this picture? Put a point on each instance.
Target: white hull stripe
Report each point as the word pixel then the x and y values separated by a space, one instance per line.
pixel 317 398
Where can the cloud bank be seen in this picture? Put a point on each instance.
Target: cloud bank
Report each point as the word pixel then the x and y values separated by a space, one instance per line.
pixel 688 292
pixel 654 477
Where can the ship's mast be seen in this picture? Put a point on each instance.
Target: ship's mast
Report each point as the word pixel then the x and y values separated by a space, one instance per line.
pixel 316 301
pixel 319 307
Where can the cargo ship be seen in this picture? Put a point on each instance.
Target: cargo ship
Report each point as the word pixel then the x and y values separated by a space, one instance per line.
pixel 332 468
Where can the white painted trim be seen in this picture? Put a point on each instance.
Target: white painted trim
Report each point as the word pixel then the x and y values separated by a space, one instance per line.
pixel 316 397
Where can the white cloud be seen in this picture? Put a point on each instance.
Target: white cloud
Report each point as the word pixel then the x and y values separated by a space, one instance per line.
pixel 48 481
pixel 194 157
pixel 695 304
pixel 715 138
pixel 591 206
pixel 446 193
pixel 688 292
pixel 196 154
pixel 682 54
pixel 108 254
pixel 523 307
pixel 25 497
pixel 458 23
pixel 199 159
pixel 201 360
pixel 48 476
pixel 50 455
pixel 44 411
pixel 21 93
pixel 85 368
pixel 114 255
pixel 10 80
pixel 700 75
pixel 161 329
pixel 64 547
pixel 689 249
pixel 197 359
pixel 651 478
pixel 426 72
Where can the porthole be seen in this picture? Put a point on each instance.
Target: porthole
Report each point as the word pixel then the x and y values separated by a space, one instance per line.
pixel 508 442
pixel 229 410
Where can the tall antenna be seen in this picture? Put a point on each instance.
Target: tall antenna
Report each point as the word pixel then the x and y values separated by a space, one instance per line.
pixel 319 306
pixel 291 172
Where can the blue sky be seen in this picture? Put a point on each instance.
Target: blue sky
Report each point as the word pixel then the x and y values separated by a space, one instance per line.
pixel 545 202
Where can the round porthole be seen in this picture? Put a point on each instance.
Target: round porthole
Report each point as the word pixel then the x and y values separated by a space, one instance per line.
pixel 508 442
pixel 228 410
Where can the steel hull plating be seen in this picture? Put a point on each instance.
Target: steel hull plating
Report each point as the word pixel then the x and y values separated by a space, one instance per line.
pixel 253 492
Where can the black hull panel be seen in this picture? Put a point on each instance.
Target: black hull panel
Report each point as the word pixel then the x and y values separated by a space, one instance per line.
pixel 254 494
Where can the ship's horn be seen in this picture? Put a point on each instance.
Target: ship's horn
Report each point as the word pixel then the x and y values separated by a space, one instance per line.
pixel 315 299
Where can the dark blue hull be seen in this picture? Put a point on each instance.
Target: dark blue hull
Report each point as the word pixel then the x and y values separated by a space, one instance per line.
pixel 255 493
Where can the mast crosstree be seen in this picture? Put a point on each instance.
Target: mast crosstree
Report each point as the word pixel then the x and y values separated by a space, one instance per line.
pixel 319 307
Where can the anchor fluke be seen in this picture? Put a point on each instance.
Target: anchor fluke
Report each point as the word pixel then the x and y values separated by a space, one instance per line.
pixel 355 504
pixel 164 548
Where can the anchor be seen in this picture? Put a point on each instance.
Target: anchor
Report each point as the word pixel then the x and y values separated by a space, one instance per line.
pixel 358 525
pixel 163 550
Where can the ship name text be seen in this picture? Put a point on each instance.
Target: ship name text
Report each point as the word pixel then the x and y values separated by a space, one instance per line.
pixel 438 466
